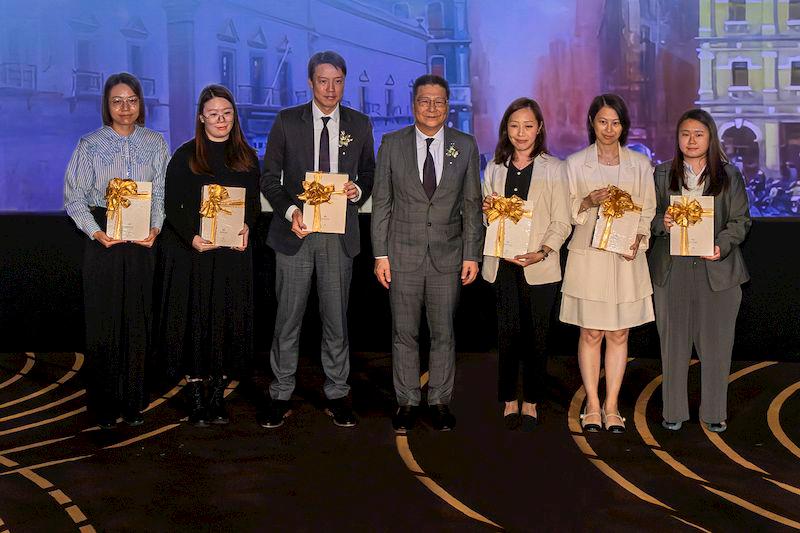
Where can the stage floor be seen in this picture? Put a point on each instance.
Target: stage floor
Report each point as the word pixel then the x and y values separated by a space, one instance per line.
pixel 59 474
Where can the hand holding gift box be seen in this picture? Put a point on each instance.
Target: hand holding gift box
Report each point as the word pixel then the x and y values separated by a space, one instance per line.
pixel 509 228
pixel 617 222
pixel 693 233
pixel 325 201
pixel 128 209
pixel 223 215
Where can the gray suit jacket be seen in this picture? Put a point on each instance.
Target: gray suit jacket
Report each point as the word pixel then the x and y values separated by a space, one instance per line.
pixel 731 223
pixel 406 224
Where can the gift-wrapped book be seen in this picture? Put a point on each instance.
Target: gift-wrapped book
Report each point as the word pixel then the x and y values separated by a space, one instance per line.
pixel 617 222
pixel 222 209
pixel 693 232
pixel 509 228
pixel 128 209
pixel 325 204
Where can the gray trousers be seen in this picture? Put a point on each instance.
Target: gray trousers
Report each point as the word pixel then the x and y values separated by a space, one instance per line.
pixel 689 313
pixel 408 293
pixel 323 254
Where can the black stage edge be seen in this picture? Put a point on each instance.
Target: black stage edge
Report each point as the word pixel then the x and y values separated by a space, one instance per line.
pixel 41 303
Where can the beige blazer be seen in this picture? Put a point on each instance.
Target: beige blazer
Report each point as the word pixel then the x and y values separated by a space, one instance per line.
pixel 598 275
pixel 550 225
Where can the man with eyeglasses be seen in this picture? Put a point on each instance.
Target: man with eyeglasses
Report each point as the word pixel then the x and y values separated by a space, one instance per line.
pixel 427 237
pixel 321 135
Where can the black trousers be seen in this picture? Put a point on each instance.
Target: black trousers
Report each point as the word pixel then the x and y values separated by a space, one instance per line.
pixel 118 303
pixel 523 324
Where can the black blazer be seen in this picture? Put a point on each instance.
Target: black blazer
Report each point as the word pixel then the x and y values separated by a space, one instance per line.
pixel 290 154
pixel 731 224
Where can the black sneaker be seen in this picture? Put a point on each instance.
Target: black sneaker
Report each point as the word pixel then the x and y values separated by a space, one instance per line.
pixel 341 413
pixel 278 411
pixel 441 418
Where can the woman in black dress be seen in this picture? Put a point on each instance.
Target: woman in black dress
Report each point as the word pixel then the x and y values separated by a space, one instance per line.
pixel 206 323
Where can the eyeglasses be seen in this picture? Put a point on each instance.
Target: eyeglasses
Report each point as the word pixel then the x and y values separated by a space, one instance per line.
pixel 439 103
pixel 119 102
pixel 225 116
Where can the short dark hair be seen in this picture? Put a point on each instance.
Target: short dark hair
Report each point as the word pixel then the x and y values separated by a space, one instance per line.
pixel 615 102
pixel 131 81
pixel 715 158
pixel 328 57
pixel 504 148
pixel 431 79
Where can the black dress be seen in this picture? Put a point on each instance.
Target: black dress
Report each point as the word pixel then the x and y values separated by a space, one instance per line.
pixel 205 325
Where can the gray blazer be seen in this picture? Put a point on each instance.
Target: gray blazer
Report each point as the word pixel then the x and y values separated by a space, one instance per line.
pixel 731 224
pixel 406 224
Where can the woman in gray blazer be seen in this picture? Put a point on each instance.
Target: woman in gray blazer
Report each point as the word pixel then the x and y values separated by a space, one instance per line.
pixel 697 298
pixel 527 285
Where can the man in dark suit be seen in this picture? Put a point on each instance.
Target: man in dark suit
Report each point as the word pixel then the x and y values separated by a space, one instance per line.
pixel 427 237
pixel 324 136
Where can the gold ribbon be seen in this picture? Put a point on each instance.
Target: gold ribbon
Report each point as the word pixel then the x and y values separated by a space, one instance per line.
pixel 216 203
pixel 118 194
pixel 315 194
pixel 511 208
pixel 615 206
pixel 687 213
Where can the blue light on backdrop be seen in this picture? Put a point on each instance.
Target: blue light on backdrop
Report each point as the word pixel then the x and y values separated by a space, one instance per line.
pixel 738 60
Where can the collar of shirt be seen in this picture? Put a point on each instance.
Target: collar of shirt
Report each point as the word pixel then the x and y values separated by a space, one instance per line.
pixel 687 168
pixel 438 137
pixel 318 114
pixel 437 152
pixel 110 136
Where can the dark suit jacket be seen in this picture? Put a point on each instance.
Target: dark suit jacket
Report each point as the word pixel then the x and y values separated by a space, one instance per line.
pixel 731 223
pixel 290 154
pixel 406 224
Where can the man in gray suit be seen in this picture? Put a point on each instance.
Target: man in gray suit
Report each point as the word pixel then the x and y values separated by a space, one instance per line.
pixel 324 136
pixel 427 237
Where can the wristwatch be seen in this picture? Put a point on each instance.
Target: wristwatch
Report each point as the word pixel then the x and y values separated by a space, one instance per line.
pixel 545 254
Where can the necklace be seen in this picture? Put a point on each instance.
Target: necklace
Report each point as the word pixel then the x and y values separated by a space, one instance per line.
pixel 606 160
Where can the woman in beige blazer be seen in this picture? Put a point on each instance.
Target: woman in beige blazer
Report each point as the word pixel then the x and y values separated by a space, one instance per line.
pixel 527 285
pixel 603 292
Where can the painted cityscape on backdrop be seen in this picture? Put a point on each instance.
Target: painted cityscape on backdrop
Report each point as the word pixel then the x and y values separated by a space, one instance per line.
pixel 738 59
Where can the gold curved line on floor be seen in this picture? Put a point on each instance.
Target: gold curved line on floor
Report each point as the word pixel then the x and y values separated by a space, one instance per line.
pixel 774 421
pixel 640 421
pixel 573 421
pixel 784 486
pixel 66 377
pixel 35 445
pixel 29 361
pixel 690 524
pixel 39 466
pixel 44 407
pixel 141 437
pixel 716 438
pixel 167 395
pixel 43 422
pixel 404 450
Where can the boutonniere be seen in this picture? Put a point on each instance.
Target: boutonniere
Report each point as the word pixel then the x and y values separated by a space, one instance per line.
pixel 344 139
pixel 452 151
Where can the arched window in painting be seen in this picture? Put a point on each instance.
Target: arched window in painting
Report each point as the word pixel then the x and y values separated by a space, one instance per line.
pixel 438 66
pixel 435 16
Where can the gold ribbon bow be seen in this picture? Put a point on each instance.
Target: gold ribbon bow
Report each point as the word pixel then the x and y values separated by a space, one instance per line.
pixel 315 194
pixel 615 206
pixel 118 194
pixel 687 213
pixel 511 208
pixel 218 200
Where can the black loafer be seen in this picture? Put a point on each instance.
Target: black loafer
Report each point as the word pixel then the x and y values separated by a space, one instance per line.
pixel 405 418
pixel 341 413
pixel 278 411
pixel 133 419
pixel 441 418
pixel 107 424
pixel 512 421
pixel 529 423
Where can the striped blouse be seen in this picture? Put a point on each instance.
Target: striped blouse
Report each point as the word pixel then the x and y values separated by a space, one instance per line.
pixel 103 155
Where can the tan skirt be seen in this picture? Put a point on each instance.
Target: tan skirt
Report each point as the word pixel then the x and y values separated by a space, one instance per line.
pixel 605 316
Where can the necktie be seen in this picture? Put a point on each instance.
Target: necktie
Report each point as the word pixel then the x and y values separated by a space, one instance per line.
pixel 324 147
pixel 429 172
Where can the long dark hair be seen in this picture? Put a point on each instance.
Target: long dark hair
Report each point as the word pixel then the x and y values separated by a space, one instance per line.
pixel 616 103
pixel 715 158
pixel 239 155
pixel 504 148
pixel 126 79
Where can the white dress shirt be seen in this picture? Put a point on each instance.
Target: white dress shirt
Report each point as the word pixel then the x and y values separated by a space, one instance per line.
pixel 693 187
pixel 437 151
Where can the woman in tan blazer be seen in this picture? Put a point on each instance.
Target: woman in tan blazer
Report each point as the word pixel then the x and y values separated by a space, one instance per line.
pixel 527 285
pixel 603 292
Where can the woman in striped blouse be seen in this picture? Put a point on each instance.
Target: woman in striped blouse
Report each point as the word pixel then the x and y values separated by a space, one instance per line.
pixel 117 274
